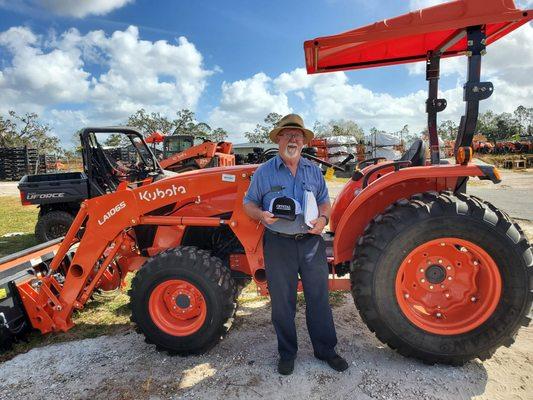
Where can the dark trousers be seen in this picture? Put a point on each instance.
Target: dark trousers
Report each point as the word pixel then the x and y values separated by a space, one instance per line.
pixel 285 258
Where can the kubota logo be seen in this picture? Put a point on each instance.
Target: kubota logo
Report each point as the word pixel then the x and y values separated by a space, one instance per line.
pixel 112 212
pixel 161 194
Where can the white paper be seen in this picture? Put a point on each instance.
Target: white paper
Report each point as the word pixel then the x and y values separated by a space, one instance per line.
pixel 310 208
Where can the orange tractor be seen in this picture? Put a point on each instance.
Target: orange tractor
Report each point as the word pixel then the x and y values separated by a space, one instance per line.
pixel 181 154
pixel 435 273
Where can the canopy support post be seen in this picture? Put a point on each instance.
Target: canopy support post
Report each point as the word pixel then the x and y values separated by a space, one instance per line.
pixel 473 90
pixel 433 103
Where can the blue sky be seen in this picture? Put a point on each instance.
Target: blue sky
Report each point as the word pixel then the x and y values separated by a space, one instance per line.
pixel 97 61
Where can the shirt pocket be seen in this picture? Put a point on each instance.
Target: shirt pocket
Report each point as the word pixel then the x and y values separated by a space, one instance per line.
pixel 311 187
pixel 271 195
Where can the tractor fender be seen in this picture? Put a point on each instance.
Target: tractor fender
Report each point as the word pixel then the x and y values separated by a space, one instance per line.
pixel 384 191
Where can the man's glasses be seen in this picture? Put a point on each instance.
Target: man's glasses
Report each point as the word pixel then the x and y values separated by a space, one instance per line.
pixel 286 135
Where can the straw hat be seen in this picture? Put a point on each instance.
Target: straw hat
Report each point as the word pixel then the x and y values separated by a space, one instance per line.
pixel 291 121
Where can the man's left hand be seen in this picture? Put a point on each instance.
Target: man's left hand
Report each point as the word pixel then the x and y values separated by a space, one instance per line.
pixel 318 225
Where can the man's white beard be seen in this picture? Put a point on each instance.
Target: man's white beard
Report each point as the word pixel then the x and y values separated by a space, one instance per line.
pixel 291 152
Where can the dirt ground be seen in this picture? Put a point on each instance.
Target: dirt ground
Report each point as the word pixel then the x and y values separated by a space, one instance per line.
pixel 243 365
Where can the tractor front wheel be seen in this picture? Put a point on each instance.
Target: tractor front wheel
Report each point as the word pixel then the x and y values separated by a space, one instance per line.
pixel 443 278
pixel 182 300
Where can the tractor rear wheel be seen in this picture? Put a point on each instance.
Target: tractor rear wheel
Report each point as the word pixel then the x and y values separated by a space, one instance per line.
pixel 443 278
pixel 182 300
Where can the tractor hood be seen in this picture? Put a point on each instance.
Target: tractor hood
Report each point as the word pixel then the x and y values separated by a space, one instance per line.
pixel 409 37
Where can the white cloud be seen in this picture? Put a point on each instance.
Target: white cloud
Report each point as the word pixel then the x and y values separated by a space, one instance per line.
pixel 419 4
pixel 54 75
pixel 40 77
pixel 68 8
pixel 46 72
pixel 333 96
pixel 524 4
pixel 294 80
pixel 508 64
pixel 141 72
pixel 245 103
pixel 380 110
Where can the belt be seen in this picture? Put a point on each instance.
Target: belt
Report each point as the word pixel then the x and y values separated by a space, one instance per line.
pixel 297 236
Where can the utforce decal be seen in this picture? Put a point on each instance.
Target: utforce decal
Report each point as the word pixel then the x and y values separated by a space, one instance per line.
pixel 112 212
pixel 161 194
pixel 33 196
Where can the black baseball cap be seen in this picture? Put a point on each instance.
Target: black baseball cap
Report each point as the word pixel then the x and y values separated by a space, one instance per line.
pixel 285 208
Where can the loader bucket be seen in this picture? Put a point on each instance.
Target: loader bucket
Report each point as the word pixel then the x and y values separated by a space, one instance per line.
pixel 16 269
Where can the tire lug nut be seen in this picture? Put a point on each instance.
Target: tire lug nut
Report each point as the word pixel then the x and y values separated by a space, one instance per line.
pixel 449 278
pixel 406 295
pixel 431 286
pixel 440 261
pixel 476 263
pixel 422 270
pixel 439 315
pixel 473 299
pixel 448 268
pixel 422 280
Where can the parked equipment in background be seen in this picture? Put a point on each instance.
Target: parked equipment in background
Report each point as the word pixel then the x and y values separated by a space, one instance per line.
pixel 186 153
pixel 437 274
pixel 60 195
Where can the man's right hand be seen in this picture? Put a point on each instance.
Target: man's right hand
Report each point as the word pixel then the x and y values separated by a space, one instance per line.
pixel 268 217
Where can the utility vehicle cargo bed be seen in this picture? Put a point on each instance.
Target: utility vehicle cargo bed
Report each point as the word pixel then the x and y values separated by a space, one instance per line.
pixel 53 188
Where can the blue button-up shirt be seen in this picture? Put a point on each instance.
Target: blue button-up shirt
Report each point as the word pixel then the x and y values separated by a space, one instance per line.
pixel 274 179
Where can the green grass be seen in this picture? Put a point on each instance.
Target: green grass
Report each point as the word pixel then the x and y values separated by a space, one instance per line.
pixel 335 298
pixel 106 314
pixel 15 218
pixel 250 294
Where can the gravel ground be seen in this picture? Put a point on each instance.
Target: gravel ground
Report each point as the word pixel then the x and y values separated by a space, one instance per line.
pixel 243 366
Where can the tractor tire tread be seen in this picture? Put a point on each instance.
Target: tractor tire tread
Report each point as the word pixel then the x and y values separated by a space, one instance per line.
pixel 41 227
pixel 199 261
pixel 398 217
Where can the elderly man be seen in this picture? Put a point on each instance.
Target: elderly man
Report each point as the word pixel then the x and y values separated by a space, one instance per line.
pixel 283 192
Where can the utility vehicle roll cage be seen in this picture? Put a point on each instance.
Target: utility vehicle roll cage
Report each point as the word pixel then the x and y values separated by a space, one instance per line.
pixel 99 168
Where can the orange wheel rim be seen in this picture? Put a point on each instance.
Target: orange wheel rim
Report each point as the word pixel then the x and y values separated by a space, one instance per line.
pixel 448 286
pixel 177 307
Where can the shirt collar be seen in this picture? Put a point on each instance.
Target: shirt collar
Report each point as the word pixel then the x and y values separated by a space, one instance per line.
pixel 303 162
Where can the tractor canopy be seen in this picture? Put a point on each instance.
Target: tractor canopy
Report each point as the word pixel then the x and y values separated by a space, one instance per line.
pixel 409 37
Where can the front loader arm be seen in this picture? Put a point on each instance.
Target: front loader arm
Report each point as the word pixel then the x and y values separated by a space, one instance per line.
pixel 104 225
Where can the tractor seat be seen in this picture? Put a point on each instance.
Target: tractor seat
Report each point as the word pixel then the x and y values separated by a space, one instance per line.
pixel 416 154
